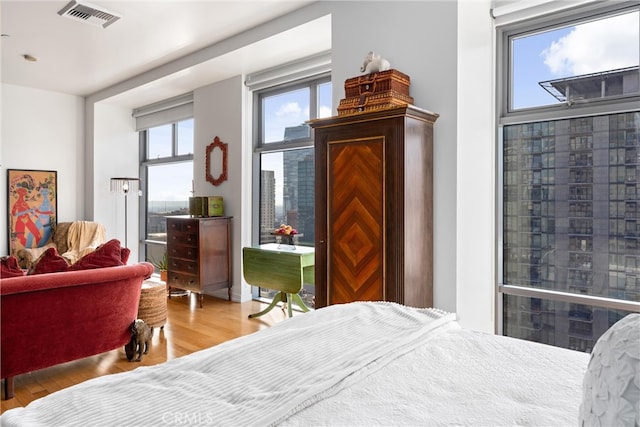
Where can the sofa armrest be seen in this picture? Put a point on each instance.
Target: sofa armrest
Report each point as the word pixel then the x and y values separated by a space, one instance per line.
pixel 42 282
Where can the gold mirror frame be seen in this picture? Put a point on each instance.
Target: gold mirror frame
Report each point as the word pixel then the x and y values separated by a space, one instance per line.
pixel 223 148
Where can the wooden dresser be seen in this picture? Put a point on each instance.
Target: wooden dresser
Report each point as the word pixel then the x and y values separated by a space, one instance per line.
pixel 199 254
pixel 374 207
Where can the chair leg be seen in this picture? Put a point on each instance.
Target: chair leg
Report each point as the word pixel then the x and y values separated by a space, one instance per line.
pixel 8 388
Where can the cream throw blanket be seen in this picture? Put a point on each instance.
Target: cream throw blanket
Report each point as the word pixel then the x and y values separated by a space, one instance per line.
pixel 83 238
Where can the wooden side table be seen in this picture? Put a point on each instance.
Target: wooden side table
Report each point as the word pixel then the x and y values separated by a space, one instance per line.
pixel 153 304
pixel 283 269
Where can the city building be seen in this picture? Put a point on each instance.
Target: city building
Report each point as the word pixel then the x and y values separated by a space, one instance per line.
pixel 560 233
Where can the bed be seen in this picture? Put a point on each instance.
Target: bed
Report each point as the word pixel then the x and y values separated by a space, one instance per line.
pixel 365 363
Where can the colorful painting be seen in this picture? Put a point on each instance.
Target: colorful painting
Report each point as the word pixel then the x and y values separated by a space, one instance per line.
pixel 32 202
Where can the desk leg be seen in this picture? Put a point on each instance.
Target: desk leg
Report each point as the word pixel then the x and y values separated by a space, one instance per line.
pixel 280 297
pixel 296 298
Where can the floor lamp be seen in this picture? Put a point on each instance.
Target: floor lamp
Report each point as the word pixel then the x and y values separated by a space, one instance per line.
pixel 125 185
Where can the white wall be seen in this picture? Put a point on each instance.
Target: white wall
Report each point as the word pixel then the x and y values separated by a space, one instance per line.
pixel 43 130
pixel 115 154
pixel 475 178
pixel 218 111
pixel 419 39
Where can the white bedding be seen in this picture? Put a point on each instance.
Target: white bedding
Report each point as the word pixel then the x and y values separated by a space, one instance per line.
pixel 352 364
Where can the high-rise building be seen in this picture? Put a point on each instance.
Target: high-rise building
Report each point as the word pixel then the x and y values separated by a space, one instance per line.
pixel 306 199
pixel 571 223
pixel 571 214
pixel 291 187
pixel 267 206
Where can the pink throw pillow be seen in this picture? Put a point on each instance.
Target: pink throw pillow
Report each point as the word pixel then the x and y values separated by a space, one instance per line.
pixel 49 262
pixel 10 268
pixel 105 255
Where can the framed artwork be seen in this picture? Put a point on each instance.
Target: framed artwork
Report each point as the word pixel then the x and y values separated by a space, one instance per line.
pixel 32 203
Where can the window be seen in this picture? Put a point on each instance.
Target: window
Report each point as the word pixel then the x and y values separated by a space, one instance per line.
pixel 285 151
pixel 595 58
pixel 167 174
pixel 570 175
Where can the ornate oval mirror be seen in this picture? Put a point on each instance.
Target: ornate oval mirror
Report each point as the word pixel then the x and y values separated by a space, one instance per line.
pixel 216 162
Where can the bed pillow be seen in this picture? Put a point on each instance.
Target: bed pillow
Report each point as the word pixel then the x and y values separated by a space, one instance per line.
pixel 9 267
pixel 611 386
pixel 106 255
pixel 49 262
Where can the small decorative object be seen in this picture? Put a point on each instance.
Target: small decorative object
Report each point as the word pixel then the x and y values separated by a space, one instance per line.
pixel 215 206
pixel 141 335
pixel 374 63
pixel 216 163
pixel 375 91
pixel 285 235
pixel 206 206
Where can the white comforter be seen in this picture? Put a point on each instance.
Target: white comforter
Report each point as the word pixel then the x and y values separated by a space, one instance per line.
pixel 353 364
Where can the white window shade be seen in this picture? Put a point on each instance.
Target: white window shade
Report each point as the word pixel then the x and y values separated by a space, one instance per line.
pixel 300 69
pixel 161 113
pixel 508 11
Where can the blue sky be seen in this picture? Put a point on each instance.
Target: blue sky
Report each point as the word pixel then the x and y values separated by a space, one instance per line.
pixel 529 69
pixel 290 109
pixel 602 45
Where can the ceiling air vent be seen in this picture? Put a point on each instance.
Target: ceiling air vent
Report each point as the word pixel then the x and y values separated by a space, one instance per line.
pixel 89 13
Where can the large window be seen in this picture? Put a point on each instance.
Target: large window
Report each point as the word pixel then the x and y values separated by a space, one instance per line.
pixel 167 175
pixel 570 176
pixel 285 151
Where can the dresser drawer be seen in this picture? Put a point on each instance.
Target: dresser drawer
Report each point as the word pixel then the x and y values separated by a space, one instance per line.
pixel 179 251
pixel 188 282
pixel 184 238
pixel 183 265
pixel 188 226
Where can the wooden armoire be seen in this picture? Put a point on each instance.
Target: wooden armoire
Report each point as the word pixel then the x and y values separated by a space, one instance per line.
pixel 374 207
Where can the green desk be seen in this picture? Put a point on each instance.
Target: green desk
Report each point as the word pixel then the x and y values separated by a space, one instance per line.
pixel 280 268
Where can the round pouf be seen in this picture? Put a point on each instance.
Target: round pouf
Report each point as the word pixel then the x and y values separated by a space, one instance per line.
pixel 153 304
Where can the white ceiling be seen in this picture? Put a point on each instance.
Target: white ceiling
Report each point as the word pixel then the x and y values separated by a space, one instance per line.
pixel 81 59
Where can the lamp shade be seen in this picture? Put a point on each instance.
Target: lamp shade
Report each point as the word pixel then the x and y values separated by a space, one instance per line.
pixel 124 185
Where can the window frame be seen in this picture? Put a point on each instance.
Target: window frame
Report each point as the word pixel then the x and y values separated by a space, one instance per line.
pixel 145 163
pixel 258 130
pixel 505 116
pixel 260 147
pixel 504 82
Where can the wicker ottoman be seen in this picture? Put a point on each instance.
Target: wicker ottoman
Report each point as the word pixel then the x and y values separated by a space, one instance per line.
pixel 153 304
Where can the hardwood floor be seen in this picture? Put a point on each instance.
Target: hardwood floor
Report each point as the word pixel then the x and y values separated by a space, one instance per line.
pixel 189 328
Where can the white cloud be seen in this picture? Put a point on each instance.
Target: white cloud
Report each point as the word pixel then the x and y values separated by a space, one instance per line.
pixel 602 45
pixel 290 109
pixel 325 111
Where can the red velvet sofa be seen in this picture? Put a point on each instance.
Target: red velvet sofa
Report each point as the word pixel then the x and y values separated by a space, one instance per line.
pixel 52 318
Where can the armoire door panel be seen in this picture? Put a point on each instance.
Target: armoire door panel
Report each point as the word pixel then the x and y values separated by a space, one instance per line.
pixel 356 211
